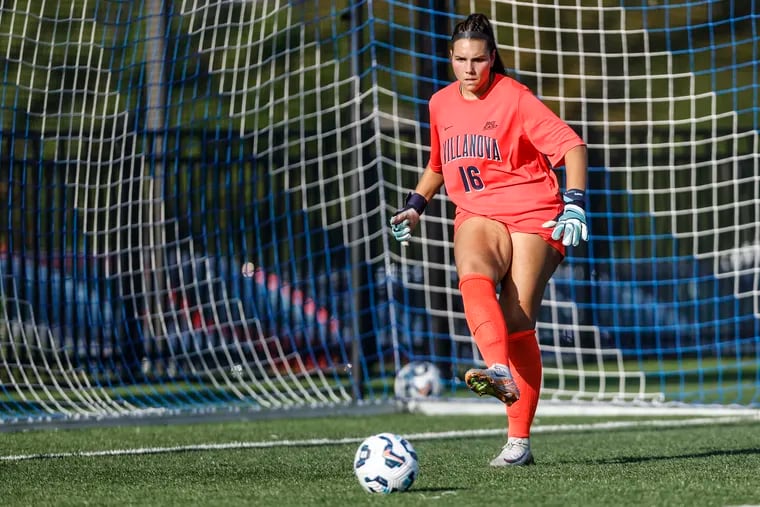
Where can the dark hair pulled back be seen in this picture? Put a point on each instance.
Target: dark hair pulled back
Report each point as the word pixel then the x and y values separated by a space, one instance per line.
pixel 477 26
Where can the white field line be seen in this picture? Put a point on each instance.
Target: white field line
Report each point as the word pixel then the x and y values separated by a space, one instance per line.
pixel 549 428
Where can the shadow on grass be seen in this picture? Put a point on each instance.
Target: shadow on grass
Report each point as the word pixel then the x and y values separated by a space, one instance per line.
pixel 707 454
pixel 434 490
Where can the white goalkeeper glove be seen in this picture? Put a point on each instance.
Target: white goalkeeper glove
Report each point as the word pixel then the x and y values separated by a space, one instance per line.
pixel 570 224
pixel 406 219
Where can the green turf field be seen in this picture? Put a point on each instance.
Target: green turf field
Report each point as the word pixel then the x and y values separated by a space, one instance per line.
pixel 634 461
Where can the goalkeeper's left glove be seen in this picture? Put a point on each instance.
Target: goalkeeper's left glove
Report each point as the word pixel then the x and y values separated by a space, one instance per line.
pixel 570 224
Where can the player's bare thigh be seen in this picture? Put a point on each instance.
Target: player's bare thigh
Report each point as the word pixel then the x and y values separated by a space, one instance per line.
pixel 482 246
pixel 533 264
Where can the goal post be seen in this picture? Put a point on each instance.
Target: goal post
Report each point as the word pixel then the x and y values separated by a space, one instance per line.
pixel 196 196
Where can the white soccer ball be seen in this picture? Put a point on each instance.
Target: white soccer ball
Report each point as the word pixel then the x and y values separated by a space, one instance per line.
pixel 418 379
pixel 385 463
pixel 248 269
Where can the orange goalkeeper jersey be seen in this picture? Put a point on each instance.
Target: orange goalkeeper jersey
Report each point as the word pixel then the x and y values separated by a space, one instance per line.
pixel 497 153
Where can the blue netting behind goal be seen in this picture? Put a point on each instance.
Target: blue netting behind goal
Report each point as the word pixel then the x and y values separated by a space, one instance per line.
pixel 196 199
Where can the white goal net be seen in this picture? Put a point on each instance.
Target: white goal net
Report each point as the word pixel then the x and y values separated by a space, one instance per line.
pixel 196 198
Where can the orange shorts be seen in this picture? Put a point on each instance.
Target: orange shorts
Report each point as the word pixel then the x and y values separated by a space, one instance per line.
pixel 529 222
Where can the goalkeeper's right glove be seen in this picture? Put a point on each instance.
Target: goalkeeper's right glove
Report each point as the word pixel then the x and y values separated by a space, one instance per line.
pixel 406 219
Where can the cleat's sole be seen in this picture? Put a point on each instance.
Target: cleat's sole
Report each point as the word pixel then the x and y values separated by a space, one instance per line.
pixel 483 385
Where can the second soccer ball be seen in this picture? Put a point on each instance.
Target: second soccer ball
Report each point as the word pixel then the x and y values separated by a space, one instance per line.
pixel 418 380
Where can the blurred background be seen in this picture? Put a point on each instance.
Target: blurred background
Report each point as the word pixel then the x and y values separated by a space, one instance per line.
pixel 150 149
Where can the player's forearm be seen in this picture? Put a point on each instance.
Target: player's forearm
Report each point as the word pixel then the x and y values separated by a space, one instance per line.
pixel 576 168
pixel 429 183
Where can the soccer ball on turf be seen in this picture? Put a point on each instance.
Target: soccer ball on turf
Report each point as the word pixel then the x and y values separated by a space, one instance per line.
pixel 385 463
pixel 418 379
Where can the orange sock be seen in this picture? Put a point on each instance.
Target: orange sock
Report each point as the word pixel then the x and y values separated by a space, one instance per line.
pixel 525 363
pixel 484 317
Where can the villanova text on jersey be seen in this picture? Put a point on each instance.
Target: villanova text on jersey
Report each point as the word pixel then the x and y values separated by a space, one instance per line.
pixel 470 146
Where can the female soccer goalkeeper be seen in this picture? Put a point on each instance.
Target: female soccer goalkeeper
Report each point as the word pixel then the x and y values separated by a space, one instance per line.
pixel 494 146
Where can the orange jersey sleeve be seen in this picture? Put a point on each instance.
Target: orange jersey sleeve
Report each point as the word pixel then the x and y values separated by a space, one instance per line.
pixel 497 154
